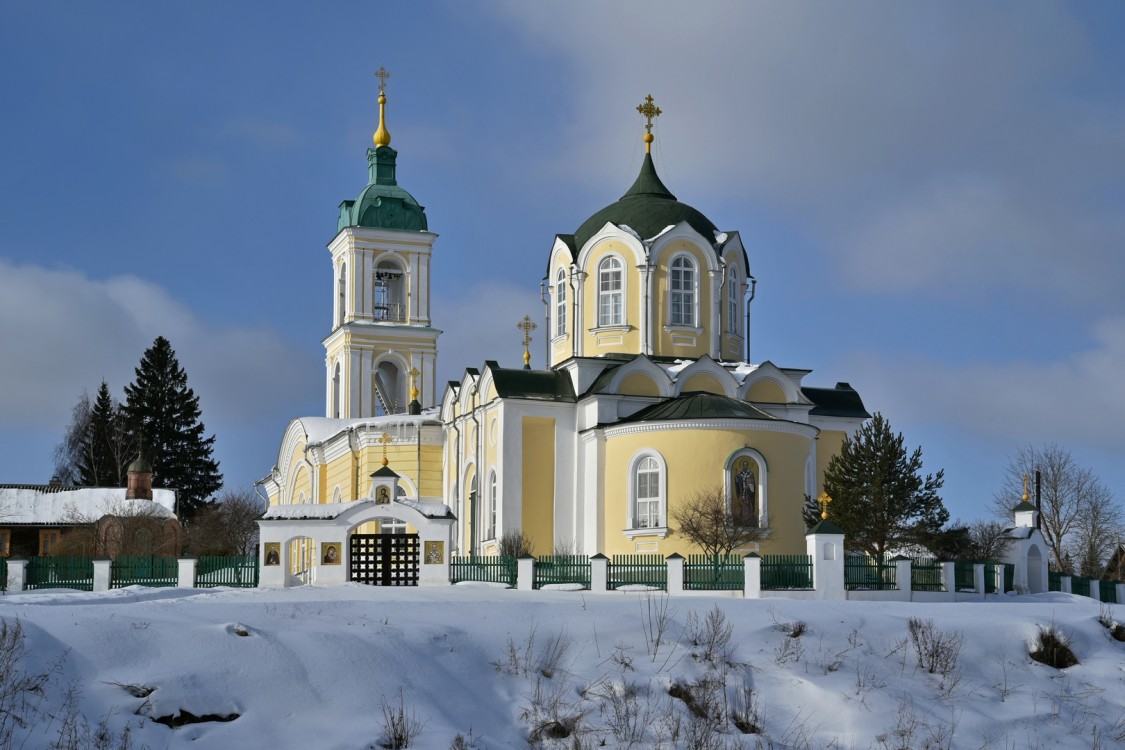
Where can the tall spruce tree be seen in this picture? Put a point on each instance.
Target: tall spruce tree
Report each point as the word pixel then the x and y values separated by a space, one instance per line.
pixel 106 448
pixel 162 413
pixel 879 497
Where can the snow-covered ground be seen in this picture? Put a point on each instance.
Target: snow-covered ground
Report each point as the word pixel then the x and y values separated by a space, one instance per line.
pixel 313 667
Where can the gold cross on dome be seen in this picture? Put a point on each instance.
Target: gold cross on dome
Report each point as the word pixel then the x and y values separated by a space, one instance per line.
pixel 649 111
pixel 527 326
pixel 414 383
pixel 382 75
pixel 823 501
pixel 385 440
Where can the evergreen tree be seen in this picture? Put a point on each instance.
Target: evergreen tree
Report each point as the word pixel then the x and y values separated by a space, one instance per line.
pixel 162 414
pixel 879 497
pixel 105 446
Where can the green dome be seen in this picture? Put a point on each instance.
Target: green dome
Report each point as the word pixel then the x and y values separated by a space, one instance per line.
pixel 647 208
pixel 383 204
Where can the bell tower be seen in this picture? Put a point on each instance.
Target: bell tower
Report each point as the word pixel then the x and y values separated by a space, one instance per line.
pixel 381 355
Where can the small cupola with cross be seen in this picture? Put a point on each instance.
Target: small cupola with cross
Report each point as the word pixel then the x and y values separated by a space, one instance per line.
pixel 1026 514
pixel 384 482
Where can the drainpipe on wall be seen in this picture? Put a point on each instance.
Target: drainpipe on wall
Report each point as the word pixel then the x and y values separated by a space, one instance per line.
pixel 753 292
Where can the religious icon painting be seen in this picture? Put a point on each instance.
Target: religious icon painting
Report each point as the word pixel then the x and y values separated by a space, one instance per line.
pixel 744 473
pixel 330 553
pixel 434 553
pixel 383 496
pixel 273 553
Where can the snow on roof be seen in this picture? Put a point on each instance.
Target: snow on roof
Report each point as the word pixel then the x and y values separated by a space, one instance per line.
pixel 737 369
pixel 40 505
pixel 320 429
pixel 428 509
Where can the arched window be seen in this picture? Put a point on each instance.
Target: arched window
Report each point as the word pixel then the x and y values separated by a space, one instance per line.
pixel 733 299
pixel 746 487
pixel 611 294
pixel 682 278
pixel 560 303
pixel 388 297
pixel 648 493
pixel 490 523
pixel 342 292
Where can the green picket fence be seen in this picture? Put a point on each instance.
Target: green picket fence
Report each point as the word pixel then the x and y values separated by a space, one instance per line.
pixel 990 577
pixel 60 573
pixel 638 570
pixel 925 574
pixel 1054 581
pixel 559 569
pixel 236 571
pixel 787 572
pixel 1107 591
pixel 711 573
pixel 963 575
pixel 3 574
pixel 143 571
pixel 1080 586
pixel 867 573
pixel 490 569
pixel 1009 577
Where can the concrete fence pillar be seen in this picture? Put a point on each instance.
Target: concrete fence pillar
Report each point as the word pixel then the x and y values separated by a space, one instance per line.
pixel 903 570
pixel 978 578
pixel 752 576
pixel 1121 593
pixel 949 576
pixel 1064 585
pixel 675 573
pixel 1095 589
pixel 17 575
pixel 525 573
pixel 186 573
pixel 599 573
pixel 824 543
pixel 103 572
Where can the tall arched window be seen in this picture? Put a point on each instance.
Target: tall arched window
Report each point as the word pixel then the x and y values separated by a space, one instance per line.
pixel 682 278
pixel 648 488
pixel 611 294
pixel 490 523
pixel 560 303
pixel 388 294
pixel 733 299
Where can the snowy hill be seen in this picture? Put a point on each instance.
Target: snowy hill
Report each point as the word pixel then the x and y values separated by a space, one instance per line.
pixel 320 667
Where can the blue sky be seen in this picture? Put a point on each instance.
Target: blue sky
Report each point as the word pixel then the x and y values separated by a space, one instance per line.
pixel 930 195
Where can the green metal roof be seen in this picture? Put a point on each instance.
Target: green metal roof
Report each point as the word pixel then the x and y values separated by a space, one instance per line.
pixel 826 527
pixel 541 385
pixel 1023 506
pixel 383 204
pixel 699 405
pixel 841 401
pixel 647 208
pixel 385 471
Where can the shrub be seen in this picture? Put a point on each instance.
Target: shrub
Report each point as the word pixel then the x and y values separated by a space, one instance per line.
pixel 1052 648
pixel 938 651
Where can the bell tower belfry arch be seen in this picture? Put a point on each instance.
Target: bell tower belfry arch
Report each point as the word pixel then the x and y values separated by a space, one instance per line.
pixel 381 355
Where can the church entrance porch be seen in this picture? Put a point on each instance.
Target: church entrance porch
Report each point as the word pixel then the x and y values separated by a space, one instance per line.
pixel 384 559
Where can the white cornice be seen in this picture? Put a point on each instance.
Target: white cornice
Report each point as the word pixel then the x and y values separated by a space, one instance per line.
pixel 728 425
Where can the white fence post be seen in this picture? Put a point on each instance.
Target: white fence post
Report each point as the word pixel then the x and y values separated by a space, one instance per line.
pixel 752 576
pixel 949 576
pixel 599 572
pixel 17 575
pixel 1064 585
pixel 103 570
pixel 824 543
pixel 186 573
pixel 525 573
pixel 675 573
pixel 903 582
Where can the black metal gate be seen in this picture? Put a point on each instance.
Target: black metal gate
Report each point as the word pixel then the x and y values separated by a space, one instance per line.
pixel 384 559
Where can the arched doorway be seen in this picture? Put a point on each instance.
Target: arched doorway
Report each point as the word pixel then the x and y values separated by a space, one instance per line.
pixel 302 559
pixel 1035 584
pixel 388 558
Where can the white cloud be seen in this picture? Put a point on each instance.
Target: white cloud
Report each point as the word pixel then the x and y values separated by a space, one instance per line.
pixel 64 332
pixel 1075 400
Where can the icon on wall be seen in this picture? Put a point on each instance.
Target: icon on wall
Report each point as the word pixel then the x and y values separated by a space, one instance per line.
pixel 435 553
pixel 273 553
pixel 330 553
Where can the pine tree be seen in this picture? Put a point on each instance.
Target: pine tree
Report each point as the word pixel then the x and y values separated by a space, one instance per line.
pixel 162 413
pixel 105 446
pixel 879 498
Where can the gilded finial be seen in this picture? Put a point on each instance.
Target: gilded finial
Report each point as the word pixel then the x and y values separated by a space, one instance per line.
pixel 650 112
pixel 414 383
pixel 823 501
pixel 385 440
pixel 527 326
pixel 1025 488
pixel 382 137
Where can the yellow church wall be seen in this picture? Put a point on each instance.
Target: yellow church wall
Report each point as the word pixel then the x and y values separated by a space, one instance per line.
pixel 827 446
pixel 704 382
pixel 684 453
pixel 766 392
pixel 302 484
pixel 613 339
pixel 639 384
pixel 538 449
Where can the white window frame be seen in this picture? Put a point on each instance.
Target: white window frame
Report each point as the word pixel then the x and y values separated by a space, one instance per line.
pixel 657 526
pixel 683 298
pixel 610 315
pixel 560 303
pixel 490 509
